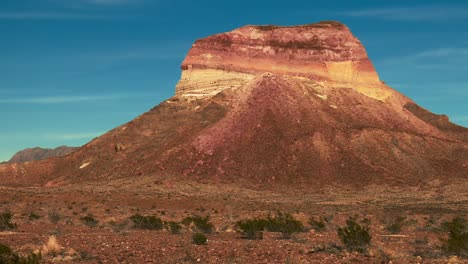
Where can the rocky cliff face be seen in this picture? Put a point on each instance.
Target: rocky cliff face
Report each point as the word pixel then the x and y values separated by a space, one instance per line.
pixel 272 106
pixel 326 52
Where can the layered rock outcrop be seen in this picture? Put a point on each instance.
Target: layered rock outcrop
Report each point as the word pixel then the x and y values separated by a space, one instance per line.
pixel 326 52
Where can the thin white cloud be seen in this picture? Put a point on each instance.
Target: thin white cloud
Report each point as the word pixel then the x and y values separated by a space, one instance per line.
pixel 50 16
pixel 72 136
pixel 421 13
pixel 442 52
pixel 433 59
pixel 60 99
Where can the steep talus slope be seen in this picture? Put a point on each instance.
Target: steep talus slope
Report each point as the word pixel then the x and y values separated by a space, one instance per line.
pixel 272 106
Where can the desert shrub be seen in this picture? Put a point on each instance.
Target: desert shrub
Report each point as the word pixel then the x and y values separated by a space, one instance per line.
pixel 147 222
pixel 89 220
pixel 187 221
pixel 33 216
pixel 395 226
pixel 201 224
pixel 51 247
pixel 354 236
pixel 457 242
pixel 321 223
pixel 54 217
pixel 199 239
pixel 251 228
pixel 284 223
pixel 6 221
pixel 7 256
pixel 174 227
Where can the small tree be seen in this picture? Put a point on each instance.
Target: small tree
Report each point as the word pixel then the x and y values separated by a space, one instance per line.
pixel 354 236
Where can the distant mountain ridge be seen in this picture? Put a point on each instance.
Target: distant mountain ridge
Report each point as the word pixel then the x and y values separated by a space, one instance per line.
pixel 33 154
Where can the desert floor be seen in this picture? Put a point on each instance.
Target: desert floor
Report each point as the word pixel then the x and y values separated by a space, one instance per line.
pixel 114 240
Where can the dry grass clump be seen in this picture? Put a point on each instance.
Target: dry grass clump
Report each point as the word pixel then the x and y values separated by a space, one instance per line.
pixel 52 247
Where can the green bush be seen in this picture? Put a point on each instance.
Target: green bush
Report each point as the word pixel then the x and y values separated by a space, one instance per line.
pixel 354 236
pixel 174 227
pixel 6 222
pixel 7 256
pixel 457 242
pixel 89 220
pixel 395 226
pixel 33 216
pixel 321 223
pixel 54 217
pixel 147 222
pixel 187 221
pixel 202 224
pixel 199 239
pixel 251 228
pixel 284 223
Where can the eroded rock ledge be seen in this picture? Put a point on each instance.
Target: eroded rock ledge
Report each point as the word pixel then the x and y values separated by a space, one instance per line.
pixel 324 52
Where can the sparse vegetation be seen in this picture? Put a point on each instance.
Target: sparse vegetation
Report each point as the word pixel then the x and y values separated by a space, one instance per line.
pixel 251 228
pixel 52 247
pixel 54 217
pixel 200 223
pixel 89 220
pixel 174 227
pixel 354 236
pixel 199 239
pixel 33 216
pixel 457 242
pixel 6 221
pixel 7 256
pixel 321 223
pixel 150 222
pixel 284 223
pixel 396 225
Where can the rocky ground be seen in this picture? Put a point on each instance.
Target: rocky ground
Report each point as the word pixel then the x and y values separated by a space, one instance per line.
pixel 114 240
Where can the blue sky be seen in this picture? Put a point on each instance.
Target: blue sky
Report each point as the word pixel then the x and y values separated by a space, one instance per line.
pixel 73 69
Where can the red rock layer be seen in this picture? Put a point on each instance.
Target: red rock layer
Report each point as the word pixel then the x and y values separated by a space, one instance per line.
pixel 323 51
